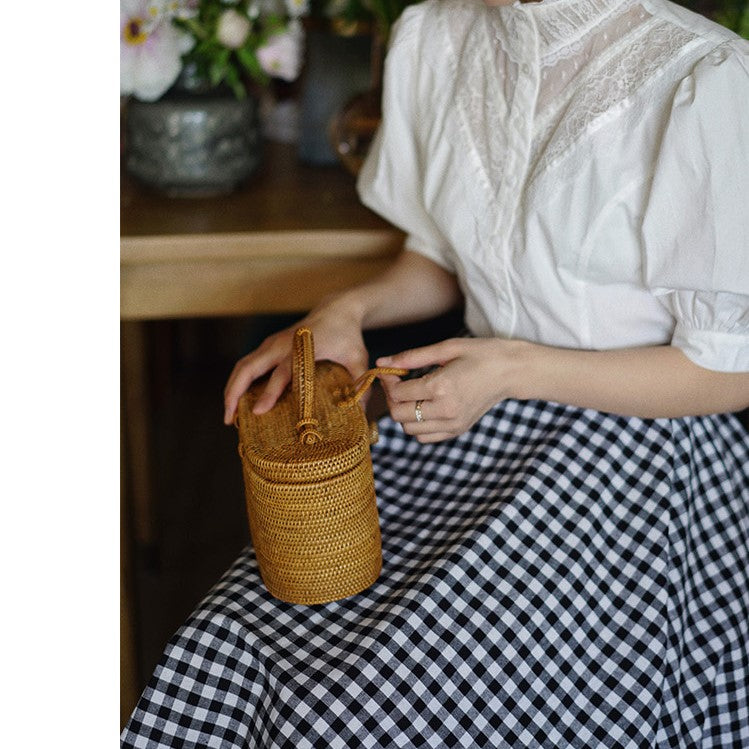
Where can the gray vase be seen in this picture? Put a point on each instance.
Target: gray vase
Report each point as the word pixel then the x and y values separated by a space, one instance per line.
pixel 194 141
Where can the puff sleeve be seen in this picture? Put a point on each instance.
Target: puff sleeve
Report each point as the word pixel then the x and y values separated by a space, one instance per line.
pixel 392 177
pixel 696 221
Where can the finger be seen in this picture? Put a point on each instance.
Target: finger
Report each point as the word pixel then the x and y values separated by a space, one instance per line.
pixel 418 388
pixel 248 369
pixel 433 418
pixel 387 382
pixel 241 377
pixel 424 388
pixel 425 356
pixel 425 428
pixel 405 413
pixel 436 437
pixel 276 385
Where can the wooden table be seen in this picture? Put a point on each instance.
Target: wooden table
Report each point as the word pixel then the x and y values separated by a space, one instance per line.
pixel 294 234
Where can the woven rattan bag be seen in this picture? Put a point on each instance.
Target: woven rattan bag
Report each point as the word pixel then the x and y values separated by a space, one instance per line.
pixel 309 484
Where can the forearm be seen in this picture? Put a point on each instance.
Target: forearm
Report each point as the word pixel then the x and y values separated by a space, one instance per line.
pixel 649 382
pixel 412 289
pixel 473 374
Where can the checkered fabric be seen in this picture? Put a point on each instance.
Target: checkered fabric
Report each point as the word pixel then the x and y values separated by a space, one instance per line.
pixel 556 577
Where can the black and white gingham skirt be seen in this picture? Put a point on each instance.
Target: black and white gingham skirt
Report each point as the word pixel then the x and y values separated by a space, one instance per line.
pixel 556 577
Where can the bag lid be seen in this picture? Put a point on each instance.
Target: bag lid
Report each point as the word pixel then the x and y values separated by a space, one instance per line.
pixel 271 442
pixel 316 429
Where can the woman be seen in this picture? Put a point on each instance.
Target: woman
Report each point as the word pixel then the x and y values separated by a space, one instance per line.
pixel 565 510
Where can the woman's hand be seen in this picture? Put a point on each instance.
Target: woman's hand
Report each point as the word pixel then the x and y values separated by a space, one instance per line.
pixel 337 335
pixel 473 375
pixel 649 382
pixel 412 288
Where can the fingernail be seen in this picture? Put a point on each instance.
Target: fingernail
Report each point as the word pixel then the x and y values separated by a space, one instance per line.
pixel 384 361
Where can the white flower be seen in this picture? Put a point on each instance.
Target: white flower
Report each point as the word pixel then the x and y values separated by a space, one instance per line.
pixel 297 8
pixel 151 48
pixel 281 55
pixel 233 29
pixel 185 8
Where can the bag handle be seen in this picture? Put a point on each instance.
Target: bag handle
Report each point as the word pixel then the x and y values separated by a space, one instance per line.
pixel 364 382
pixel 303 386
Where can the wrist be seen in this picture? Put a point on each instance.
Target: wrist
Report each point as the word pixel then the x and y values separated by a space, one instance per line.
pixel 344 305
pixel 522 367
pixel 365 306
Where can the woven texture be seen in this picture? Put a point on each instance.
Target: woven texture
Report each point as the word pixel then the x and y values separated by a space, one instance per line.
pixel 310 490
pixel 553 578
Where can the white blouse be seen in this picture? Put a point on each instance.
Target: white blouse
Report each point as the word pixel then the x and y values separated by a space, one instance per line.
pixel 582 166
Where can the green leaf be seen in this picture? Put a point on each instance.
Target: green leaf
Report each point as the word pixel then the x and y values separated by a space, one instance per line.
pixel 219 69
pixel 193 26
pixel 273 25
pixel 251 64
pixel 743 28
pixel 216 74
pixel 235 82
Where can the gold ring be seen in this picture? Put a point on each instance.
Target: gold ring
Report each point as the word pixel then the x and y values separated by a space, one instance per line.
pixel 417 411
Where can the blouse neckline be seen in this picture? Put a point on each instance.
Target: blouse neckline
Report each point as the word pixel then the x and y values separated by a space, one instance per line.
pixel 562 23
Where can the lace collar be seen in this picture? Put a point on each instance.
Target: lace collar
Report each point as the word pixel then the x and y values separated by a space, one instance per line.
pixel 559 23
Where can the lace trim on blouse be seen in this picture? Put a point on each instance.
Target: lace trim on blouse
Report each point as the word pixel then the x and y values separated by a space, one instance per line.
pixel 638 57
pixel 559 66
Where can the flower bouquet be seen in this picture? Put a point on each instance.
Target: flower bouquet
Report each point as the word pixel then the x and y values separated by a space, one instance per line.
pixel 171 49
pixel 226 42
pixel 186 68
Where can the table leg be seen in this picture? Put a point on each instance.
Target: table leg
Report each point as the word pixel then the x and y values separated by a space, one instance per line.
pixel 137 431
pixel 128 657
pixel 137 515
